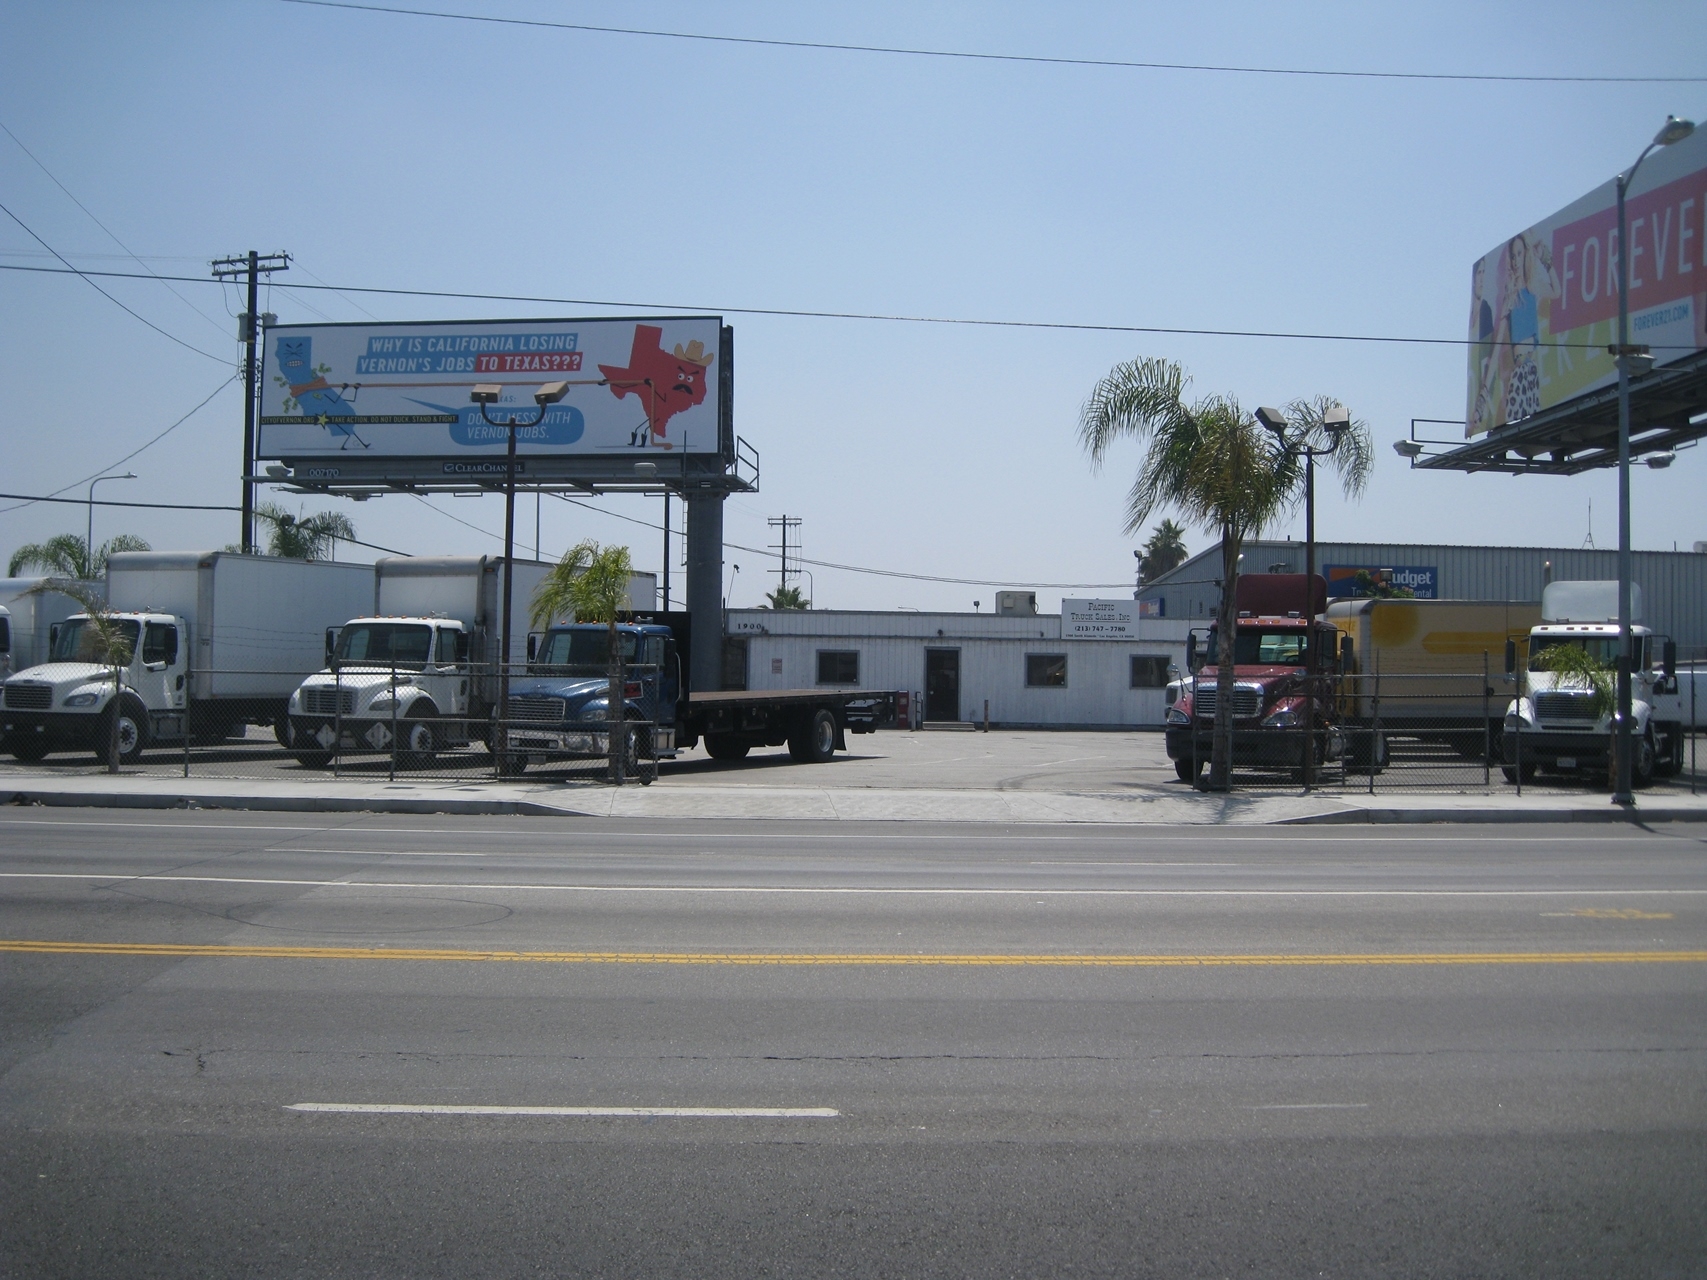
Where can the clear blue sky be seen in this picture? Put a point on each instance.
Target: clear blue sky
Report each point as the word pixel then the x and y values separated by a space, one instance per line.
pixel 422 153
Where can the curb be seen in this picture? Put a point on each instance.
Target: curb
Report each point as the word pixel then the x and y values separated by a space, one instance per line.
pixel 1634 817
pixel 290 804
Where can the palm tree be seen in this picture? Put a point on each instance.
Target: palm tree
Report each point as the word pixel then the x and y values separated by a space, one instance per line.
pixel 1164 552
pixel 65 555
pixel 786 597
pixel 1211 462
pixel 590 584
pixel 303 537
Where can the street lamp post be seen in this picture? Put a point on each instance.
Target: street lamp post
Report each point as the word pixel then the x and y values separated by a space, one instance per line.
pixel 89 528
pixel 484 394
pixel 1629 358
pixel 1335 422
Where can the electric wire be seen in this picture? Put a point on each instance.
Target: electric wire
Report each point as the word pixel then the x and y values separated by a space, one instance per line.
pixel 896 318
pixel 104 227
pixel 1035 59
pixel 109 297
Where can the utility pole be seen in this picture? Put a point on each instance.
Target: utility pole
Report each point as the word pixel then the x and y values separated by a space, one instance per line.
pixel 254 266
pixel 785 523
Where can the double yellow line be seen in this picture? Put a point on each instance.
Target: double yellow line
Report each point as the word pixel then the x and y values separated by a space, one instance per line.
pixel 865 959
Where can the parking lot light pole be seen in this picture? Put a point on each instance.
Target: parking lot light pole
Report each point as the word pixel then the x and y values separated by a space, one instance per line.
pixel 1335 422
pixel 488 393
pixel 1630 359
pixel 89 531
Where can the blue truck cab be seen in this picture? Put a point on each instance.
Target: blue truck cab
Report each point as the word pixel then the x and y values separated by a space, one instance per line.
pixel 561 707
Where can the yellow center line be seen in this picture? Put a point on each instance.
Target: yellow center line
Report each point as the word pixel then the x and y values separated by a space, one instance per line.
pixel 1078 961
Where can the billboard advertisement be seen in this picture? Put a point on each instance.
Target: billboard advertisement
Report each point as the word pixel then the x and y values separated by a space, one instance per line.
pixel 641 387
pixel 1544 304
pixel 1350 581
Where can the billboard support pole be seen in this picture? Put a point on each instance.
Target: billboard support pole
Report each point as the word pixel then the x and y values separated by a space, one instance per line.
pixel 1674 130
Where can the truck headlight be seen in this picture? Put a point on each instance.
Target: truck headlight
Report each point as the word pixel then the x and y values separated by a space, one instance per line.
pixel 1285 718
pixel 595 711
pixel 385 702
pixel 81 700
pixel 1177 717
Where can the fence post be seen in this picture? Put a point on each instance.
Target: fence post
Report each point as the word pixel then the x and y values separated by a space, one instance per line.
pixel 1694 725
pixel 184 725
pixel 392 776
pixel 337 721
pixel 1375 726
pixel 1487 725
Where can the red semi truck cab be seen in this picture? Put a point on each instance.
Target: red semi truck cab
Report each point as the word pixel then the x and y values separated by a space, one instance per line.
pixel 1273 688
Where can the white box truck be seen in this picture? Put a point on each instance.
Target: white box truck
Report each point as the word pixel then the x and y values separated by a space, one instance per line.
pixel 28 610
pixel 423 662
pixel 211 640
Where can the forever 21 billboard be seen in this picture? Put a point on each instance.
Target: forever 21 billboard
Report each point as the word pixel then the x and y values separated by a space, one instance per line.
pixel 372 395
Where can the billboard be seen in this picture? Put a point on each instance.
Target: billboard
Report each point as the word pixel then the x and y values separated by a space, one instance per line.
pixel 1544 304
pixel 637 387
pixel 1099 619
pixel 1350 581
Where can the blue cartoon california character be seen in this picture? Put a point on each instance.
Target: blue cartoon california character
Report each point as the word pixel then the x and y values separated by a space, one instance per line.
pixel 308 389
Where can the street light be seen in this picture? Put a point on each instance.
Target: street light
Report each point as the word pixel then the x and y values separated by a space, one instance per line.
pixel 1631 359
pixel 1336 421
pixel 483 394
pixel 89 529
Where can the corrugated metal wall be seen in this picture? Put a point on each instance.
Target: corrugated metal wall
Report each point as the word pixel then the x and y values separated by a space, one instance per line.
pixel 1674 583
pixel 782 653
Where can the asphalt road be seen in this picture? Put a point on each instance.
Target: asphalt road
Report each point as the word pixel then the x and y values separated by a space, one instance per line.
pixel 892 1050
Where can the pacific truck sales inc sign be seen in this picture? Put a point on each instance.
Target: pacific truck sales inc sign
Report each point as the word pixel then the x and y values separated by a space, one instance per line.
pixel 1099 619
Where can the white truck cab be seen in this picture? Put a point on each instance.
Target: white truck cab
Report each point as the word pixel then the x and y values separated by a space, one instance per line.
pixel 387 679
pixel 1555 723
pixel 67 702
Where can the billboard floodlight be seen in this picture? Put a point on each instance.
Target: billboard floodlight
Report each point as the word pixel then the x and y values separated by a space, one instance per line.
pixel 551 393
pixel 1273 419
pixel 1660 461
pixel 646 470
pixel 1408 448
pixel 1674 130
pixel 1336 420
pixel 486 393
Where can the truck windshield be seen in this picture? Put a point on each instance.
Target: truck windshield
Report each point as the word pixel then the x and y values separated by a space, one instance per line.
pixel 385 644
pixel 79 641
pixel 1254 648
pixel 567 650
pixel 1603 649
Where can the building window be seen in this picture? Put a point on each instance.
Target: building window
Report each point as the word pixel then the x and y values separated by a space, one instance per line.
pixel 1149 671
pixel 1046 670
pixel 838 666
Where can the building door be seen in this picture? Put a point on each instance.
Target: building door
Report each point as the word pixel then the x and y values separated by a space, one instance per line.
pixel 942 684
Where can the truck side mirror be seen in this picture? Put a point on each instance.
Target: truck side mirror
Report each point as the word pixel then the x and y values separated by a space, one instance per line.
pixel 1191 652
pixel 1668 659
pixel 1510 658
pixel 331 644
pixel 1348 655
pixel 53 635
pixel 533 645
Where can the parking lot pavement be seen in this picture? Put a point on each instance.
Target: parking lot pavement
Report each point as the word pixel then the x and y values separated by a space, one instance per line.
pixel 1004 776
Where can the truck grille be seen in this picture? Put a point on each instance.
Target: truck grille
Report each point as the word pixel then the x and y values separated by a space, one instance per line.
pixel 325 702
pixel 1565 706
pixel 1246 701
pixel 535 710
pixel 29 697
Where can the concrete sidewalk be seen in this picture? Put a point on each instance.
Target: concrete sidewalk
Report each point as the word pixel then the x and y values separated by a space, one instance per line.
pixel 734 800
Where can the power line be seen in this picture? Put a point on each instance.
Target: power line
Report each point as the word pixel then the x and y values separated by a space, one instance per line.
pixel 109 297
pixel 1037 59
pixel 168 431
pixel 895 318
pixel 103 226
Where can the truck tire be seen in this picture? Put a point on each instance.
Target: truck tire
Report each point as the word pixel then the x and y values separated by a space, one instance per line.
pixel 1510 772
pixel 314 759
pixel 1369 753
pixel 511 764
pixel 29 748
pixel 813 741
pixel 723 746
pixel 133 731
pixel 1642 758
pixel 1186 769
pixel 418 737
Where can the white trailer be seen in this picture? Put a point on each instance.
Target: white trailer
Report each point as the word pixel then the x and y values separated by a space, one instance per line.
pixel 29 612
pixel 208 641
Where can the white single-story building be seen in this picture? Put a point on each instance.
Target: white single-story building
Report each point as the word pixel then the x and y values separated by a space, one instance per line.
pixel 959 667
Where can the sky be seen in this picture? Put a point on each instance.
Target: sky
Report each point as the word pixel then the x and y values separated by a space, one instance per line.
pixel 631 173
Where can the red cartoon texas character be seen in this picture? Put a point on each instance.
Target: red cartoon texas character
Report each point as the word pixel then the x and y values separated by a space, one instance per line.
pixel 665 382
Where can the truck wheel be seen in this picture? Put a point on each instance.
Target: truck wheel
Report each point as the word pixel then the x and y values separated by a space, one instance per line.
pixel 512 764
pixel 1511 772
pixel 1369 753
pixel 814 741
pixel 1642 761
pixel 1186 769
pixel 722 746
pixel 418 739
pixel 133 732
pixel 314 759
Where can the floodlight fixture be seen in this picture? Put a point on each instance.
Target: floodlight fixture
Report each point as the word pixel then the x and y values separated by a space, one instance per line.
pixel 646 470
pixel 1674 130
pixel 1336 420
pixel 550 393
pixel 1273 419
pixel 1660 461
pixel 486 393
pixel 1408 448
